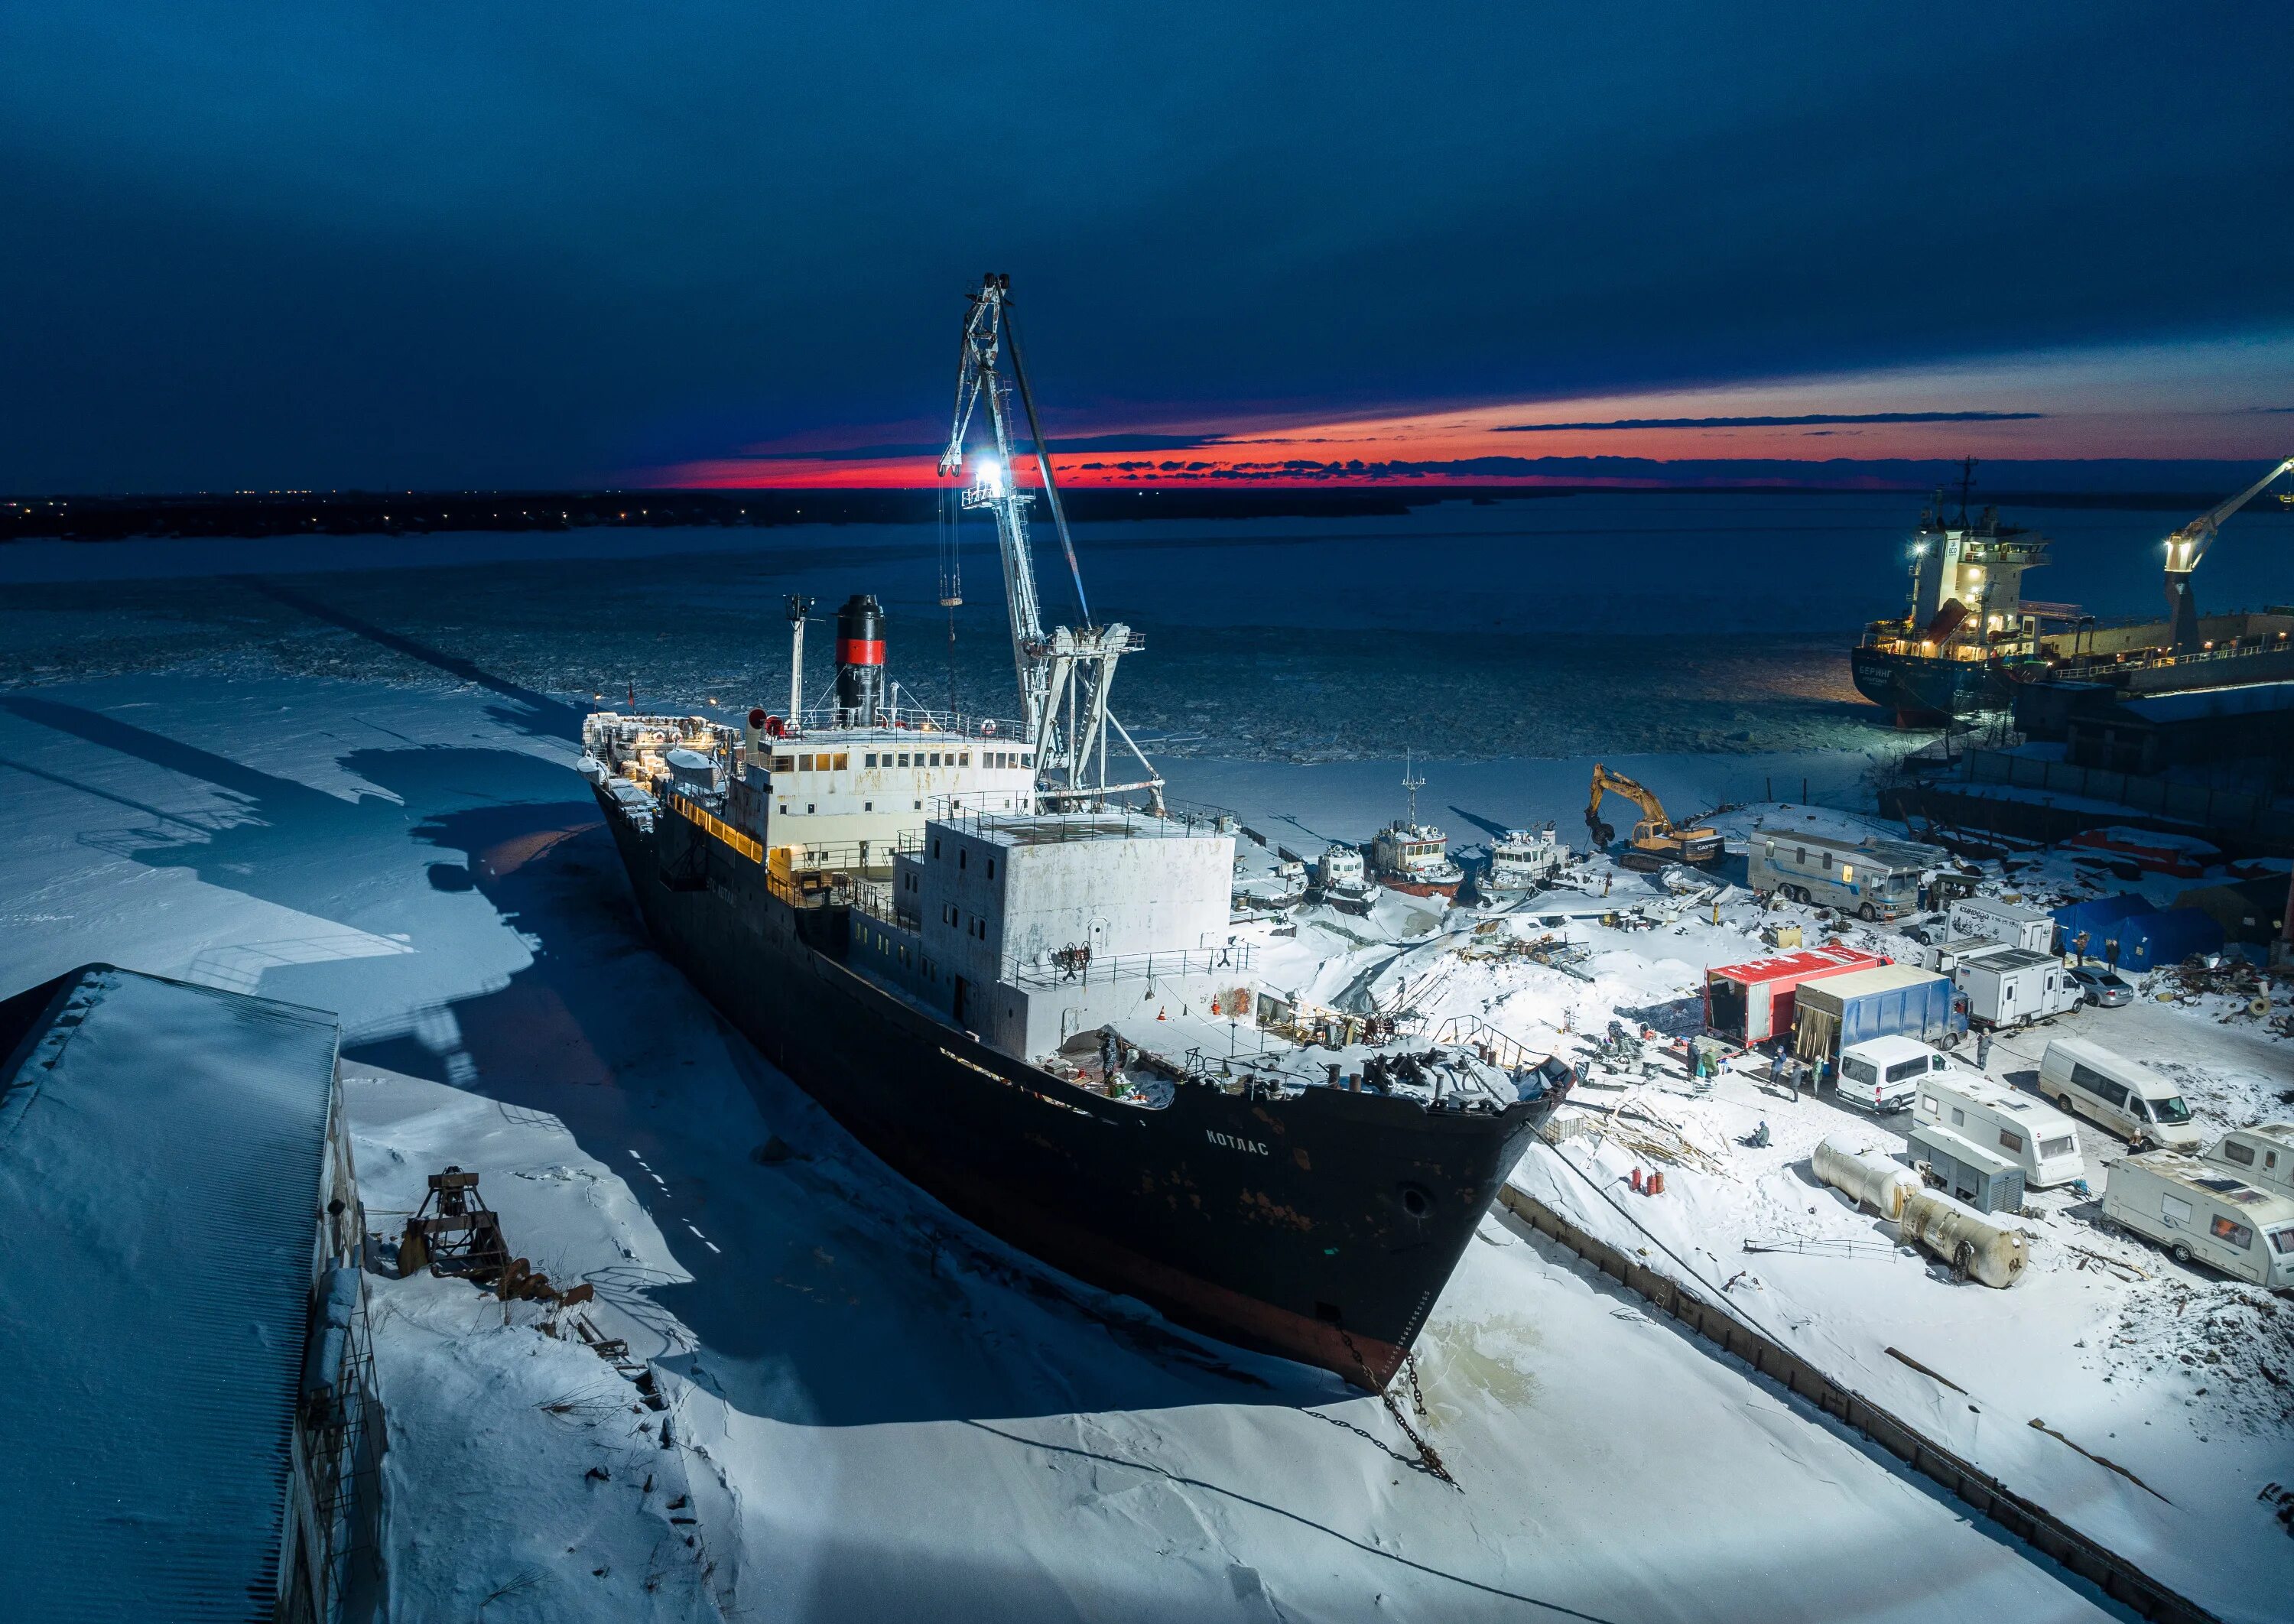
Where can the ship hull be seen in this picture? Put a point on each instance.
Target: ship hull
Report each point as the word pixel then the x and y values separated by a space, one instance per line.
pixel 1927 692
pixel 1421 887
pixel 1320 1226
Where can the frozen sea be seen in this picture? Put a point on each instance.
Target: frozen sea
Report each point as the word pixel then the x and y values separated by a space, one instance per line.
pixel 1632 625
pixel 339 774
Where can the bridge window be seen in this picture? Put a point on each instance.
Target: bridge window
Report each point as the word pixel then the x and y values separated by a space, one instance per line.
pixel 843 759
pixel 904 758
pixel 783 764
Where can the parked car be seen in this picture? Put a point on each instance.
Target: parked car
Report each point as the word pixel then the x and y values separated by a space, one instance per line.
pixel 2123 1095
pixel 2106 987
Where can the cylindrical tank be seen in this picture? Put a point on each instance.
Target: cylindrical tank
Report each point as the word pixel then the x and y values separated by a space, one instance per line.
pixel 1971 1244
pixel 859 661
pixel 1871 1178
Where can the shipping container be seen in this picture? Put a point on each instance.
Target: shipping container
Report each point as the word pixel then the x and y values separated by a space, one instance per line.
pixel 1752 1002
pixel 1890 1001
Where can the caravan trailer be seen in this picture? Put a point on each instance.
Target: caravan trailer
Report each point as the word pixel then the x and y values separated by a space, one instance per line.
pixel 2200 1213
pixel 1871 879
pixel 2262 1154
pixel 2000 1121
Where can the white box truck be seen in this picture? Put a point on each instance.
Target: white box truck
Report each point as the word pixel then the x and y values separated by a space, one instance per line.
pixel 2263 1156
pixel 1874 880
pixel 2130 1100
pixel 2014 923
pixel 2201 1213
pixel 2013 986
pixel 2028 1132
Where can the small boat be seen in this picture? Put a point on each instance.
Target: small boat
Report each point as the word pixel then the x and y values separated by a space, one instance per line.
pixel 1413 857
pixel 1520 862
pixel 1343 880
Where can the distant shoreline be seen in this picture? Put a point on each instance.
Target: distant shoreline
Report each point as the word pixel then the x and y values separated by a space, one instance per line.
pixel 353 513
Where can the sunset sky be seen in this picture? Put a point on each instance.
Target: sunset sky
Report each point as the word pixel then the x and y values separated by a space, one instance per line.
pixel 255 245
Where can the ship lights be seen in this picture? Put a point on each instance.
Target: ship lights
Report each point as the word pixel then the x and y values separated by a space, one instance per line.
pixel 987 475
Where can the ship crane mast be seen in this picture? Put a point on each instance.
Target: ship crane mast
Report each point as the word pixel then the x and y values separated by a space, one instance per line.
pixel 1064 674
pixel 2188 545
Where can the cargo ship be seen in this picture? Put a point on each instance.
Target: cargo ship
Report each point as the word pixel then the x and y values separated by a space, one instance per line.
pixel 1971 642
pixel 1968 628
pixel 999 965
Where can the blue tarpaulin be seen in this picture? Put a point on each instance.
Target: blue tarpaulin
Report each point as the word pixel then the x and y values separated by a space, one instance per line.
pixel 2146 937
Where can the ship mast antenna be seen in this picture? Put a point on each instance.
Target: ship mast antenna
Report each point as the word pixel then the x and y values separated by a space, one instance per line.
pixel 1067 668
pixel 1966 484
pixel 1411 783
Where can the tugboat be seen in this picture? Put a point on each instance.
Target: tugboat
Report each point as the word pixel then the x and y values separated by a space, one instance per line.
pixel 1412 857
pixel 1520 862
pixel 1343 881
pixel 1958 648
pixel 961 936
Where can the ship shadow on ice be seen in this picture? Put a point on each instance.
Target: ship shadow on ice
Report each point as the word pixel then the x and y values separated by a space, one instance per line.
pixel 538 715
pixel 275 838
pixel 824 1289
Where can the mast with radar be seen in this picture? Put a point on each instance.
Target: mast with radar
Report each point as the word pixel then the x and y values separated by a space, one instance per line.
pixel 1064 674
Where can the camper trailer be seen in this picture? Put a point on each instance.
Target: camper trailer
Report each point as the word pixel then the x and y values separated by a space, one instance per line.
pixel 2012 987
pixel 2201 1213
pixel 2131 1101
pixel 2262 1156
pixel 2014 923
pixel 1872 880
pixel 2031 1133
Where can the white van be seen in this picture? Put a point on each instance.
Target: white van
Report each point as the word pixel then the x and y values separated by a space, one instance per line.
pixel 2200 1213
pixel 2028 1132
pixel 1884 1074
pixel 2262 1156
pixel 2129 1099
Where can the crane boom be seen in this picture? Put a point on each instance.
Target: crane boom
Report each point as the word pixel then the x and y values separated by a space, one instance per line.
pixel 1068 666
pixel 2187 545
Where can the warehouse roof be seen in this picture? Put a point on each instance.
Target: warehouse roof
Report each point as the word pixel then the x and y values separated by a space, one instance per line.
pixel 162 1147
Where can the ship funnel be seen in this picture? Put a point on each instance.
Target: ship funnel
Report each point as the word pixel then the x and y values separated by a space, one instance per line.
pixel 860 661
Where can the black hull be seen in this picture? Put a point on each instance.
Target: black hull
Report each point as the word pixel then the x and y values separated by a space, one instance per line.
pixel 1925 693
pixel 1283 1225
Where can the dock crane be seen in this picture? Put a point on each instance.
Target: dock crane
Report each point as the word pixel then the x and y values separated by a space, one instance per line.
pixel 1064 674
pixel 1655 839
pixel 2189 544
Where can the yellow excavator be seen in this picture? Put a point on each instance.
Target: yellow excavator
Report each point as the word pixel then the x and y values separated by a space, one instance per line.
pixel 1654 841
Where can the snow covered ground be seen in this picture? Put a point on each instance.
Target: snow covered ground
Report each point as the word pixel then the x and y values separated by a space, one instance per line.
pixel 2184 1379
pixel 874 1410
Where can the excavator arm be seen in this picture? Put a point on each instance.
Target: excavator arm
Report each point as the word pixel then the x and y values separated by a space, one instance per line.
pixel 1607 783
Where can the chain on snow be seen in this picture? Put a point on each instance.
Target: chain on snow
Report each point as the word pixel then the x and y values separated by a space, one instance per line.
pixel 1426 1456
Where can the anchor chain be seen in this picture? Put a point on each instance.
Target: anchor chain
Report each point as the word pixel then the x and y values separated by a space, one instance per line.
pixel 1426 1455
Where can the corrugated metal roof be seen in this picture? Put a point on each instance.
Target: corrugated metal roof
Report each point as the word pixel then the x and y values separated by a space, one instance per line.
pixel 162 1149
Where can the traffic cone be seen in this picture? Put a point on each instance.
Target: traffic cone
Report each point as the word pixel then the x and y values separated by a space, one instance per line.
pixel 1159 1011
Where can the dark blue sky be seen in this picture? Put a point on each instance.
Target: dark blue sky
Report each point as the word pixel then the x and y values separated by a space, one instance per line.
pixel 514 243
